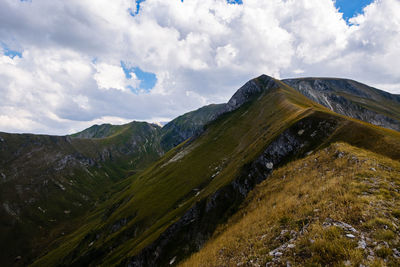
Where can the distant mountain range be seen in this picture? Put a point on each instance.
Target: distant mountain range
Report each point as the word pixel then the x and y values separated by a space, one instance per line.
pixel 143 195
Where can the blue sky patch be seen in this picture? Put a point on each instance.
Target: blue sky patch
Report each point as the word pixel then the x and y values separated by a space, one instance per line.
pixel 135 12
pixel 351 8
pixel 9 52
pixel 147 79
pixel 239 2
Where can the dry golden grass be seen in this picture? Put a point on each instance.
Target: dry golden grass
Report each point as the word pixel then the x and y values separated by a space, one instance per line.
pixel 304 204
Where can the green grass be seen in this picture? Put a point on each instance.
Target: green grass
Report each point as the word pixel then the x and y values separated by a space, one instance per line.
pixel 102 131
pixel 189 124
pixel 157 197
pixel 30 163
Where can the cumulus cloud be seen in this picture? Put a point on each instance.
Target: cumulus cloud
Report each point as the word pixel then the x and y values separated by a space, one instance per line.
pixel 69 74
pixel 113 77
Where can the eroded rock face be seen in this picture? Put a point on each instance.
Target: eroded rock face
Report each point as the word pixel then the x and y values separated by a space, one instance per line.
pixel 197 224
pixel 249 90
pixel 371 105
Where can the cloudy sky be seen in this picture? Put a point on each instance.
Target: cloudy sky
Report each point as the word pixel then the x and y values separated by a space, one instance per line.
pixel 65 65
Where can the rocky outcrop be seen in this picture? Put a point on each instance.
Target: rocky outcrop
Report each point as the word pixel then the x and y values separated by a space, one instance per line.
pixel 198 223
pixel 251 89
pixel 351 99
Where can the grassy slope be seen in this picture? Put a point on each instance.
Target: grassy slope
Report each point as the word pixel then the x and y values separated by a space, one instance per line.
pixel 39 204
pixel 101 131
pixel 158 197
pixel 189 124
pixel 298 205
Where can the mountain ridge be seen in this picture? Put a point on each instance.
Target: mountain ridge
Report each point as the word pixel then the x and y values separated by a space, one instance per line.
pixel 235 152
pixel 372 105
pixel 251 88
pixel 138 158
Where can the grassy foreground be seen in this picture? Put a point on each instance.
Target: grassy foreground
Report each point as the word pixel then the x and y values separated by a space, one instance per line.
pixel 339 206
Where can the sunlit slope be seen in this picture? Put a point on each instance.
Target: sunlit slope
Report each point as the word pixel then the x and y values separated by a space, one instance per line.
pixel 171 209
pixel 336 207
pixel 101 131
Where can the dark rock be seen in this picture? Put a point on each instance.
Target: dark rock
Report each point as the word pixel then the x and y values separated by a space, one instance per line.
pixel 119 224
pixel 251 89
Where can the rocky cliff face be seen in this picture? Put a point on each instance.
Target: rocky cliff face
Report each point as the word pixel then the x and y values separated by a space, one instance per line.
pixel 250 90
pixel 352 99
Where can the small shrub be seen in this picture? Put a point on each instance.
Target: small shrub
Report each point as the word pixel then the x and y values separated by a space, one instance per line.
pixel 384 235
pixel 303 249
pixel 301 223
pixel 396 213
pixel 331 247
pixel 285 220
pixel 377 223
pixel 353 215
pixel 384 252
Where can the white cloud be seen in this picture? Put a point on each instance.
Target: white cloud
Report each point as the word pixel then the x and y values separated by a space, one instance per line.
pixel 201 51
pixel 225 55
pixel 113 77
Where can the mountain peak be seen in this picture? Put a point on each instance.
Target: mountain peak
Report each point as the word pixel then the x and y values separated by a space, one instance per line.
pixel 250 89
